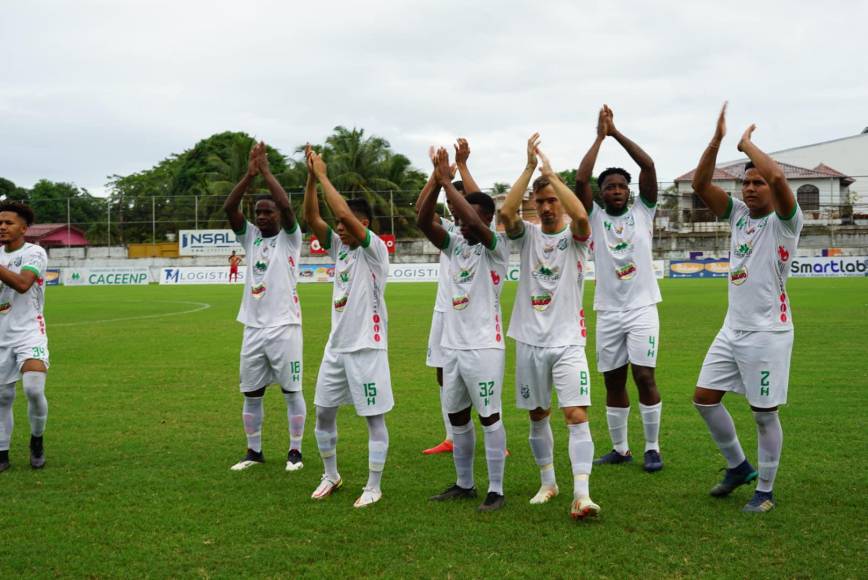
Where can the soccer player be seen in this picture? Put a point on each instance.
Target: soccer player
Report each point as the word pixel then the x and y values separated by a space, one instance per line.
pixel 473 335
pixel 548 324
pixel 751 353
pixel 23 342
pixel 234 261
pixel 355 364
pixel 436 354
pixel 626 293
pixel 271 351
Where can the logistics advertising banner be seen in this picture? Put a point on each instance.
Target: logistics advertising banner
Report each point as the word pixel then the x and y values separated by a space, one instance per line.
pixel 699 268
pixel 106 276
pixel 827 266
pixel 51 277
pixel 208 243
pixel 200 275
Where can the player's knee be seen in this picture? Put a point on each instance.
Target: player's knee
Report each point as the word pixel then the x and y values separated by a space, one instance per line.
pixel 539 414
pixel 644 377
pixel 616 380
pixel 490 420
pixel 576 415
pixel 7 395
pixel 702 396
pixel 460 418
pixel 256 393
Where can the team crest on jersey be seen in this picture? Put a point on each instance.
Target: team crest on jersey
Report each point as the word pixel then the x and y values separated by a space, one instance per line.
pixel 626 271
pixel 257 242
pixel 5 308
pixel 562 244
pixel 525 392
pixel 257 291
pixel 783 254
pixel 342 255
pixel 541 302
pixel 738 276
pixel 744 250
pixel 17 262
pixel 460 302
pixel 341 303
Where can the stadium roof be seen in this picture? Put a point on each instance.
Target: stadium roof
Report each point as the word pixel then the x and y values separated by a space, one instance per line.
pixel 736 171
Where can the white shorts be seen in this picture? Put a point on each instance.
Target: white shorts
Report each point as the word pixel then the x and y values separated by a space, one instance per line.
pixel 627 336
pixel 474 377
pixel 753 364
pixel 436 357
pixel 12 358
pixel 537 368
pixel 360 378
pixel 271 355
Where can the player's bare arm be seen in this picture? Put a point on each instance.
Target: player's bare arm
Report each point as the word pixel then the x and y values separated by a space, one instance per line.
pixel 782 196
pixel 20 282
pixel 232 205
pixel 426 217
pixel 509 211
pixel 311 203
pixel 647 172
pixel 580 225
pixel 714 197
pixel 462 153
pixel 278 194
pixel 336 201
pixel 586 167
pixel 432 181
pixel 465 212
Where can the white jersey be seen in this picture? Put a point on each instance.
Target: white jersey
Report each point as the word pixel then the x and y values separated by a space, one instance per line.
pixel 622 257
pixel 548 304
pixel 443 303
pixel 359 317
pixel 21 318
pixel 759 256
pixel 270 297
pixel 476 278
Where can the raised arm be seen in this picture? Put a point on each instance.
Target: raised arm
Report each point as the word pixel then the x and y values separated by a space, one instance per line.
pixel 432 181
pixel 311 204
pixel 462 153
pixel 232 205
pixel 465 212
pixel 336 201
pixel 586 167
pixel 509 211
pixel 426 217
pixel 782 195
pixel 278 194
pixel 580 224
pixel 714 197
pixel 647 172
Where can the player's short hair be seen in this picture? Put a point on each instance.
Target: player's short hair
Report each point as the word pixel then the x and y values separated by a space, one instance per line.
pixel 540 183
pixel 459 185
pixel 749 165
pixel 612 171
pixel 23 210
pixel 481 199
pixel 360 206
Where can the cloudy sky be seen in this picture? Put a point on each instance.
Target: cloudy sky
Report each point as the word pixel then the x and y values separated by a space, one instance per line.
pixel 92 88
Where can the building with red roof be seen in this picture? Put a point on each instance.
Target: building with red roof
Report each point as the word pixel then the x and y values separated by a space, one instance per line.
pixel 55 235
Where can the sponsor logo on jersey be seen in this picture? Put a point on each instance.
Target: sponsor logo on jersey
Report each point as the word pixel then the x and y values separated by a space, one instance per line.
pixel 607 224
pixel 291 262
pixel 344 276
pixel 5 307
pixel 620 248
pixel 738 276
pixel 540 301
pixel 463 277
pixel 742 221
pixel 744 250
pixel 544 272
pixel 783 254
pixel 341 303
pixel 495 278
pixel 257 291
pixel 626 272
pixel 260 266
pixel 460 302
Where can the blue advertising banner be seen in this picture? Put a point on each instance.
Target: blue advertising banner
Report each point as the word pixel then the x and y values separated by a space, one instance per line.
pixel 699 268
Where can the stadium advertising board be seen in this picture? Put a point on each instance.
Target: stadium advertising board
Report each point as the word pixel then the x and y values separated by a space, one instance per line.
pixel 699 268
pixel 199 275
pixel 827 266
pixel 106 276
pixel 207 243
pixel 51 277
pixel 316 248
pixel 316 272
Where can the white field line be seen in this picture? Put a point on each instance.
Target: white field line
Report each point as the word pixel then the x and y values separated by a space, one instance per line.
pixel 199 306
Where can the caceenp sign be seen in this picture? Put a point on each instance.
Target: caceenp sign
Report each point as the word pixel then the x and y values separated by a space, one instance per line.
pixel 106 276
pixel 208 243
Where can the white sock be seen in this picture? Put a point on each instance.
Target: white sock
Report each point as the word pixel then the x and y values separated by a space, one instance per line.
pixel 770 440
pixel 651 424
pixel 7 421
pixel 464 447
pixel 251 415
pixel 581 457
pixel 326 433
pixel 723 433
pixel 446 423
pixel 296 410
pixel 495 455
pixel 617 417
pixel 37 404
pixel 542 446
pixel 378 448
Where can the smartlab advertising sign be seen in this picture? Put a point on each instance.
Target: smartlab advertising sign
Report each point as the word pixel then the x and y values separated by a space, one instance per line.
pixel 827 266
pixel 208 243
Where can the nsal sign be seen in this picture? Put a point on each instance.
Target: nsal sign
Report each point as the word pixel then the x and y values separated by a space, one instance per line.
pixel 208 243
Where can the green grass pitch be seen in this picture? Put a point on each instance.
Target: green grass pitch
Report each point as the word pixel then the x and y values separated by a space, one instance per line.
pixel 145 421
